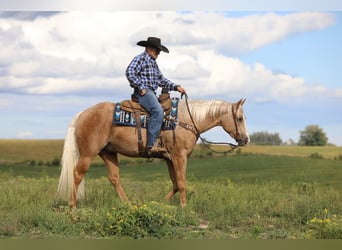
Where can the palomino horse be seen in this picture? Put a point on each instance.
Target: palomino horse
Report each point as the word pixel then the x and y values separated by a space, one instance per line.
pixel 92 133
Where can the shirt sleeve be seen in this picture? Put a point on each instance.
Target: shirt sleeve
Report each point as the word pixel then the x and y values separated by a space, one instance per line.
pixel 166 83
pixel 132 73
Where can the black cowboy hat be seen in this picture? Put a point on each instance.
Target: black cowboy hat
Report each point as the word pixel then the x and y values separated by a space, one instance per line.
pixel 153 42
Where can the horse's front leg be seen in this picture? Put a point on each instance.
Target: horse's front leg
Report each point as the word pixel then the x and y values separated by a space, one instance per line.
pixel 112 163
pixel 179 168
pixel 172 175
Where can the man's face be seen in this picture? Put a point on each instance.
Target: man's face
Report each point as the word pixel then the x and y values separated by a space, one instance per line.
pixel 153 52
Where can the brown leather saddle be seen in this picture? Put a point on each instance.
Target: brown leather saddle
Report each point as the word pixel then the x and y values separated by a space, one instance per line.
pixel 133 106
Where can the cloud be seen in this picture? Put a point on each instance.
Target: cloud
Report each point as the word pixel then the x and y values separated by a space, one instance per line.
pixel 155 5
pixel 255 31
pixel 86 53
pixel 25 134
pixel 27 15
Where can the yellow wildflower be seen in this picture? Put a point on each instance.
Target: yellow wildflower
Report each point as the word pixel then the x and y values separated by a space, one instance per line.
pixel 327 221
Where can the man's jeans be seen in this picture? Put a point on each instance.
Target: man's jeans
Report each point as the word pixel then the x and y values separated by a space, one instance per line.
pixel 150 102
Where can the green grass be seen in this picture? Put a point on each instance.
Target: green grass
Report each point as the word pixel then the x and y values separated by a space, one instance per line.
pixel 254 195
pixel 46 150
pixel 238 168
pixel 270 210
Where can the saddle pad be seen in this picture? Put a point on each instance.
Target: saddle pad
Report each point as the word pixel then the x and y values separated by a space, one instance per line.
pixel 126 118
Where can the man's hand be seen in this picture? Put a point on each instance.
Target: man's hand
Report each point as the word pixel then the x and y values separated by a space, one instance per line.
pixel 181 89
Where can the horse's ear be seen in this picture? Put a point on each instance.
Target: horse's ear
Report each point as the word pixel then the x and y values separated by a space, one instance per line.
pixel 242 101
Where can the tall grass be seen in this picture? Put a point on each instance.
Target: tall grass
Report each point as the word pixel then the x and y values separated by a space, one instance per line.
pixel 254 196
pixel 270 210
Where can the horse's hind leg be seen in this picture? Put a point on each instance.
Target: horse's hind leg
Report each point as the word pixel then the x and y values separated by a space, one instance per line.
pixel 79 172
pixel 112 163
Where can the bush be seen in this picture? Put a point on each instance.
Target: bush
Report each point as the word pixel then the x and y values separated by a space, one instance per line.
pixel 339 157
pixel 149 220
pixel 55 162
pixel 316 156
pixel 327 227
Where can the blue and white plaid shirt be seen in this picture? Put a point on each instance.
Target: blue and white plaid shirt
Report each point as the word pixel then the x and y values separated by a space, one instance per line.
pixel 143 73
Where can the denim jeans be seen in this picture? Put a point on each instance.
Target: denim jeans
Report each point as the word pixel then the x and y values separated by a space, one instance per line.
pixel 150 102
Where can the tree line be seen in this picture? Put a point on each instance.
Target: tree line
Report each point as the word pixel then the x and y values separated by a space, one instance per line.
pixel 312 135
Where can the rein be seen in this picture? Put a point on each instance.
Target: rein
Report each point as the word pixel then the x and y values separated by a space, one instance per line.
pixel 206 142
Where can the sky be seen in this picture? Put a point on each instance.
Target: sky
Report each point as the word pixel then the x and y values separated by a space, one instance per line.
pixel 287 64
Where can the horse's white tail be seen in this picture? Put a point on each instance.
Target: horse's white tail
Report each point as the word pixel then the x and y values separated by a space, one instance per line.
pixel 69 161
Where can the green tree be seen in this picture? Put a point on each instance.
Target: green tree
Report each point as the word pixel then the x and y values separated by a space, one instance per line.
pixel 313 135
pixel 265 138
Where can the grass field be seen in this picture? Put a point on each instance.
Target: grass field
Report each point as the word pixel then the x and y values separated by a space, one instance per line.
pixel 256 193
pixel 24 150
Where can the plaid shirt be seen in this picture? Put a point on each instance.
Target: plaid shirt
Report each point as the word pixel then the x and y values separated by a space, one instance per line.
pixel 143 73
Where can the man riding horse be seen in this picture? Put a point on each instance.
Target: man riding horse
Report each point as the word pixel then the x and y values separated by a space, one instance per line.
pixel 145 77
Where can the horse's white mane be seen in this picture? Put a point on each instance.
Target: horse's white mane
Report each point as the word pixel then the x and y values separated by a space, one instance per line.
pixel 202 110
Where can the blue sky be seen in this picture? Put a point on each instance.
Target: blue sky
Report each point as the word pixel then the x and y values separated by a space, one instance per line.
pixel 287 65
pixel 314 48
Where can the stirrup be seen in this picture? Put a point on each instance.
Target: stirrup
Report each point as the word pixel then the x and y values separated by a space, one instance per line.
pixel 157 152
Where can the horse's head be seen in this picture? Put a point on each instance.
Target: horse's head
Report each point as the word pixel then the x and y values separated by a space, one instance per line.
pixel 235 124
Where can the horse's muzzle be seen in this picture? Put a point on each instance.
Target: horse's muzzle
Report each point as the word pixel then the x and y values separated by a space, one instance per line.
pixel 243 141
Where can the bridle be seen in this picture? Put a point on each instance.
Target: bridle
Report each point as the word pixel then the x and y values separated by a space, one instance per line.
pixel 206 142
pixel 237 132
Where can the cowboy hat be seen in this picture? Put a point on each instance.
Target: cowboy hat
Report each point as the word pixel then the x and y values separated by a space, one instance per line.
pixel 153 42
